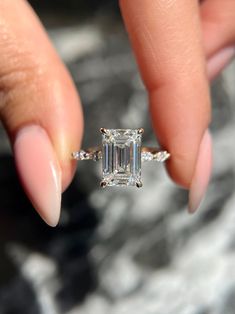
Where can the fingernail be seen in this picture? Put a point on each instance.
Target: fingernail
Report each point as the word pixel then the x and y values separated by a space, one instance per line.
pixel 218 61
pixel 39 171
pixel 202 173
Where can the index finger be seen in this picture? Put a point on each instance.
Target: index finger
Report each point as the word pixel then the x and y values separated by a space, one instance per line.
pixel 166 37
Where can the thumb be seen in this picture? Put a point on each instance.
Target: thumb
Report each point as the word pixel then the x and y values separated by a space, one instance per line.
pixel 39 108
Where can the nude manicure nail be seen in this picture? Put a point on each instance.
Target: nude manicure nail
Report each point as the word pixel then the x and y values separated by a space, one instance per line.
pixel 202 173
pixel 39 171
pixel 218 61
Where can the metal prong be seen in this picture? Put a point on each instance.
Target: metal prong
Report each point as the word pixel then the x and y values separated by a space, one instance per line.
pixel 139 184
pixel 103 131
pixel 103 184
pixel 140 131
pixel 75 155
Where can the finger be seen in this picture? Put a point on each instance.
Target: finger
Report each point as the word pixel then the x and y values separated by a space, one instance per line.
pixel 219 61
pixel 39 108
pixel 218 25
pixel 166 38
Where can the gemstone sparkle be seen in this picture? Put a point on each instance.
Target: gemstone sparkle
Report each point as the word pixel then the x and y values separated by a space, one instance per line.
pixel 121 157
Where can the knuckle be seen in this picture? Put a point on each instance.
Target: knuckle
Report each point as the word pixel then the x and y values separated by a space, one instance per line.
pixel 19 69
pixel 18 74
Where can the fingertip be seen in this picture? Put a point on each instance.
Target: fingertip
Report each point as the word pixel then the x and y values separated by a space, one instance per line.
pixel 202 173
pixel 68 170
pixel 39 171
pixel 179 119
pixel 174 170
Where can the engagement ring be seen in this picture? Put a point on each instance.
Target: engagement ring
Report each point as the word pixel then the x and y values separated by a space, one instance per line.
pixel 121 154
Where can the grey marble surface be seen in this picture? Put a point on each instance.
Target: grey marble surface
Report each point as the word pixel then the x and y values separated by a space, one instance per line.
pixel 120 251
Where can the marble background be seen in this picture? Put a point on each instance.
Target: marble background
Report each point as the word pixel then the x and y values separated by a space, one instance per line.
pixel 119 251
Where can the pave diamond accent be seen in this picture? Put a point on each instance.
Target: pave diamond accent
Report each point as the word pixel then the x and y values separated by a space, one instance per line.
pixel 87 155
pixel 81 155
pixel 160 156
pixel 121 157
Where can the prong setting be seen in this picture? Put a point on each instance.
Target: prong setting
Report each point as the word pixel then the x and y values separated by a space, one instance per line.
pixel 103 184
pixel 140 130
pixel 103 131
pixel 139 184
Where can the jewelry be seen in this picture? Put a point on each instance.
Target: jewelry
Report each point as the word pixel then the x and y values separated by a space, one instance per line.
pixel 121 154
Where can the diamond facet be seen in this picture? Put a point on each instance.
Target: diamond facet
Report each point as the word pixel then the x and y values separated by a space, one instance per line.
pixel 121 157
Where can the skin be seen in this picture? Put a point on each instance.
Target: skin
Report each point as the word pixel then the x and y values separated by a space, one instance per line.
pixel 177 46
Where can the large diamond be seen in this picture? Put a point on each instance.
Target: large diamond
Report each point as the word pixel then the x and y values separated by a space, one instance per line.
pixel 121 157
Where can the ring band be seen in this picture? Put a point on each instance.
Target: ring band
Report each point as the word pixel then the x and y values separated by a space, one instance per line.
pixel 147 154
pixel 121 154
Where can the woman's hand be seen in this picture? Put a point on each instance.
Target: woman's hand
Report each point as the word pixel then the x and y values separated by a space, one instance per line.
pixel 178 44
pixel 39 107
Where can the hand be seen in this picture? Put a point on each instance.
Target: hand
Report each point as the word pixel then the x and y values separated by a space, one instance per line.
pixel 41 110
pixel 180 46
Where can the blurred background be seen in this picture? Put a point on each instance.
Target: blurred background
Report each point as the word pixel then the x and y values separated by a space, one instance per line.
pixel 118 251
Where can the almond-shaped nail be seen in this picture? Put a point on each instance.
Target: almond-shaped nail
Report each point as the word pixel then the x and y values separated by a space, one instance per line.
pixel 39 171
pixel 218 61
pixel 202 173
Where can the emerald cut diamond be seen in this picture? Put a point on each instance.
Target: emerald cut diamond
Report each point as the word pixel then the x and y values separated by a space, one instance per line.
pixel 121 154
pixel 121 157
